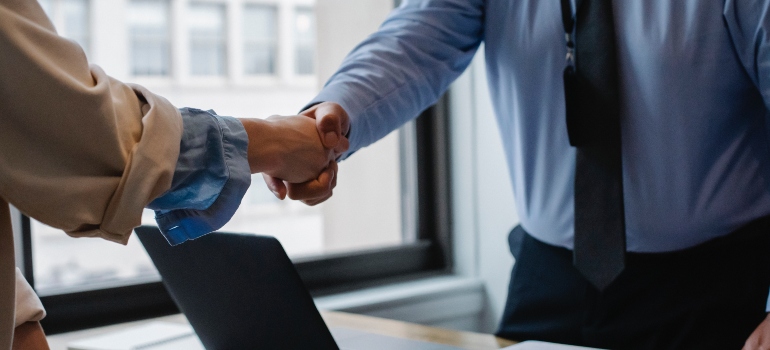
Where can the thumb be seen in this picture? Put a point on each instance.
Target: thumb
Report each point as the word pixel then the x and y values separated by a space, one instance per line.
pixel 329 129
pixel 330 118
pixel 276 186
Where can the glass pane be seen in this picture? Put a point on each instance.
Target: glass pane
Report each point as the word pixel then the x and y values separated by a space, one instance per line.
pixel 75 26
pixel 260 37
pixel 148 23
pixel 62 263
pixel 366 210
pixel 208 46
pixel 71 19
pixel 304 32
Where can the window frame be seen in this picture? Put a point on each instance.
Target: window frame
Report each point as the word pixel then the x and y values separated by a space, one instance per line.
pixel 428 255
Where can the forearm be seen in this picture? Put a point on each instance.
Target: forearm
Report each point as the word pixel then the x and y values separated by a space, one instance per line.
pixel 405 66
pixel 262 151
pixel 217 156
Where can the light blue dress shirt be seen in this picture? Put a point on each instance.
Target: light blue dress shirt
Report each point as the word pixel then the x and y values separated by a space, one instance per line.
pixel 695 86
pixel 211 177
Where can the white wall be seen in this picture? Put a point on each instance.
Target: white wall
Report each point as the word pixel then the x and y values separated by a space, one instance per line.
pixel 361 176
pixel 484 210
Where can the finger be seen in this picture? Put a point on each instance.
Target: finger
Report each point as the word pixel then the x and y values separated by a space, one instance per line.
pixel 335 174
pixel 312 189
pixel 314 202
pixel 334 109
pixel 328 124
pixel 331 117
pixel 342 146
pixel 276 186
pixel 310 112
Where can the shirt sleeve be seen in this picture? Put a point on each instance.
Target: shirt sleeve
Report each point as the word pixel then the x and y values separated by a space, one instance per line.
pixel 405 66
pixel 211 177
pixel 748 22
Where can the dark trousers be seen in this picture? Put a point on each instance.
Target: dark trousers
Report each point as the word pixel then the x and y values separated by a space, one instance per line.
pixel 711 296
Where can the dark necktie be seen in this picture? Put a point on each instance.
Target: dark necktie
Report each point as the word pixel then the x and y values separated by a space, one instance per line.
pixel 593 123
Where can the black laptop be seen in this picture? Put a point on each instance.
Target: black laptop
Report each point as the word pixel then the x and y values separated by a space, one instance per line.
pixel 241 291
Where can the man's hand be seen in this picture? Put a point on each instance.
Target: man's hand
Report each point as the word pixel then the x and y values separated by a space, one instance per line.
pixel 760 338
pixel 286 148
pixel 332 124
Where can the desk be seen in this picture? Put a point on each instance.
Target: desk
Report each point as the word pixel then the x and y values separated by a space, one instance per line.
pixel 398 329
pixel 465 340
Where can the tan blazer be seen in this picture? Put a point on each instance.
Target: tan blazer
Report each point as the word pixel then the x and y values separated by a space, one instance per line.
pixel 79 150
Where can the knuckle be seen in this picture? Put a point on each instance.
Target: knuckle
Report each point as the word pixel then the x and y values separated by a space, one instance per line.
pixel 294 194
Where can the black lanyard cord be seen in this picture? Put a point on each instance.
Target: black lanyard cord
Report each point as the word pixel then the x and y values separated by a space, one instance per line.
pixel 566 16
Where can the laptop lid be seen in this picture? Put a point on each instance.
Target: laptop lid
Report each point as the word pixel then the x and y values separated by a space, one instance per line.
pixel 238 291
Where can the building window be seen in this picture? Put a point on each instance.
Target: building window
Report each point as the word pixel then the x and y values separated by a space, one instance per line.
pixel 260 39
pixel 365 234
pixel 150 43
pixel 304 38
pixel 208 39
pixel 71 19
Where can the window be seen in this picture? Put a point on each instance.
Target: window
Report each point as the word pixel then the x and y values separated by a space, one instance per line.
pixel 304 32
pixel 387 215
pixel 148 26
pixel 208 42
pixel 260 39
pixel 71 19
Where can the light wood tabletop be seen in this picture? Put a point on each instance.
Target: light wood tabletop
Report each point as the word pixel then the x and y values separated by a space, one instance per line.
pixel 398 329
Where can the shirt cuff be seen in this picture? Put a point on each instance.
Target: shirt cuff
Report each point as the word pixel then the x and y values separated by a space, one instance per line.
pixel 28 305
pixel 211 177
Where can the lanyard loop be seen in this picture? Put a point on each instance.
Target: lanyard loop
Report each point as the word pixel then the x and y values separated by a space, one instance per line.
pixel 568 20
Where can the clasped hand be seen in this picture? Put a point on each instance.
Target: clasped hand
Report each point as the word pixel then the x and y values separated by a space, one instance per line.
pixel 297 154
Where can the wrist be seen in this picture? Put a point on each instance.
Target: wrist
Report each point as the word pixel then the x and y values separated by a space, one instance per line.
pixel 262 155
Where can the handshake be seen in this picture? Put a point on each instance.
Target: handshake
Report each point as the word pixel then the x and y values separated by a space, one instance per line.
pixel 297 155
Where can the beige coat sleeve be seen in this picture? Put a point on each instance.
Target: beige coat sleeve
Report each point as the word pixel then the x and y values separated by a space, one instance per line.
pixel 79 150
